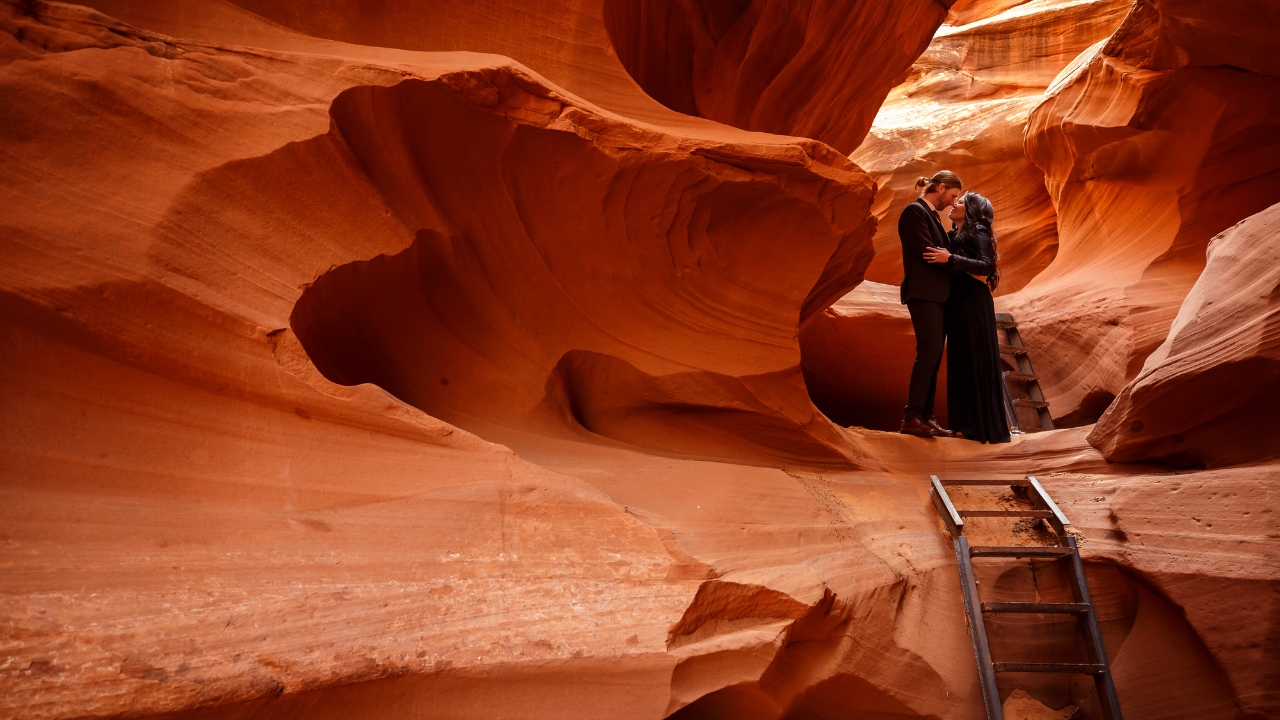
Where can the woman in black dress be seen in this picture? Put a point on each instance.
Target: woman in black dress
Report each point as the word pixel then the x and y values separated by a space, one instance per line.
pixel 975 386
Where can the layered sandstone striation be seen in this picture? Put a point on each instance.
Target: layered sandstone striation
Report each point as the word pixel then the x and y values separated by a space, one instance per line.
pixel 351 380
pixel 815 68
pixel 964 107
pixel 195 515
pixel 763 66
pixel 1151 143
pixel 1207 395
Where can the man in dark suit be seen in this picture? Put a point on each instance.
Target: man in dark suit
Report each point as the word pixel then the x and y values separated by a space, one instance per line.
pixel 925 288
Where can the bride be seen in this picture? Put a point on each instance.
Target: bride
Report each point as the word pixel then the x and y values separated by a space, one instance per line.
pixel 975 386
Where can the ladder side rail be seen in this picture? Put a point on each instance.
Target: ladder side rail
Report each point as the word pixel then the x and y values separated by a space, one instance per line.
pixel 1093 637
pixel 942 501
pixel 1041 500
pixel 978 631
pixel 1010 410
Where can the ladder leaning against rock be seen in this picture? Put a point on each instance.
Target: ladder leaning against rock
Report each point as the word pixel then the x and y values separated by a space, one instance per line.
pixel 1066 549
pixel 1025 375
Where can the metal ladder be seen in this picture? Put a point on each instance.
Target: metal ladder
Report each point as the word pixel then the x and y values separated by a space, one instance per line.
pixel 1011 344
pixel 1082 608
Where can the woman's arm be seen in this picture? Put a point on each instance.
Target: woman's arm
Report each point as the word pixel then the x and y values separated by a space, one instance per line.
pixel 984 262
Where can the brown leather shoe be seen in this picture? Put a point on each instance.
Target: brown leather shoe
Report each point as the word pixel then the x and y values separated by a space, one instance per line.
pixel 917 427
pixel 939 431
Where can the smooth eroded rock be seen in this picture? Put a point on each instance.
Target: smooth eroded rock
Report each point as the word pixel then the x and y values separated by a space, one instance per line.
pixel 1207 395
pixel 1151 143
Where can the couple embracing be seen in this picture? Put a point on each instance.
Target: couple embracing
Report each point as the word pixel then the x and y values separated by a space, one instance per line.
pixel 947 284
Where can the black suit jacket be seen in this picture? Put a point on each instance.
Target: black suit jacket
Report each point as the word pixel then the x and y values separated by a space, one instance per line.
pixel 919 228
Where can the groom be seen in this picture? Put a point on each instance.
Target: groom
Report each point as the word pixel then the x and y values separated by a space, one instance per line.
pixel 925 288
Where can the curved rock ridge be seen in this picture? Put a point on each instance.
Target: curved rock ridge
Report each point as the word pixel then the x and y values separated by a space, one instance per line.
pixel 1208 394
pixel 571 271
pixel 190 509
pixel 964 12
pixel 196 522
pixel 964 107
pixel 771 67
pixel 816 68
pixel 1151 143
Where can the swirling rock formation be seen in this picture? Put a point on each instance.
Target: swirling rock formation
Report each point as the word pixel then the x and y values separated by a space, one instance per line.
pixel 1151 143
pixel 964 107
pixel 1207 395
pixel 564 327
pixel 211 218
pixel 816 68
pixel 754 65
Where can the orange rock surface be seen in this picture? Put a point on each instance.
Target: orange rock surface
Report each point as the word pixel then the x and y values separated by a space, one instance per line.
pixel 346 377
pixel 1151 143
pixel 816 68
pixel 964 107
pixel 1207 395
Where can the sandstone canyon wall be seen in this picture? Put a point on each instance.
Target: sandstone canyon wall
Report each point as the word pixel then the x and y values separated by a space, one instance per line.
pixel 814 68
pixel 1151 143
pixel 351 371
pixel 964 107
pixel 1207 395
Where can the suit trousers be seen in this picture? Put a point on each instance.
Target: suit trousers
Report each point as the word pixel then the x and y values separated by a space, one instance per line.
pixel 928 321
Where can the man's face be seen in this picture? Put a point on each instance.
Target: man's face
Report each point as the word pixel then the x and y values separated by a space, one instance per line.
pixel 949 197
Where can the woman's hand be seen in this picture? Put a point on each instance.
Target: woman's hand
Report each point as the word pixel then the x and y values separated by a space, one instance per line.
pixel 937 255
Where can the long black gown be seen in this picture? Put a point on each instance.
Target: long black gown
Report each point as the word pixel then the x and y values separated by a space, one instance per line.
pixel 975 387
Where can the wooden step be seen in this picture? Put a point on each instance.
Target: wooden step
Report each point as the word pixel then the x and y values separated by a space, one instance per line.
pixel 1032 551
pixel 1081 668
pixel 1005 321
pixel 1006 349
pixel 1020 376
pixel 994 483
pixel 1005 513
pixel 1037 404
pixel 1073 608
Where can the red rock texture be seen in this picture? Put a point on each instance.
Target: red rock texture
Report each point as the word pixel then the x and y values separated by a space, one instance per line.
pixel 1151 143
pixel 1207 395
pixel 816 68
pixel 240 263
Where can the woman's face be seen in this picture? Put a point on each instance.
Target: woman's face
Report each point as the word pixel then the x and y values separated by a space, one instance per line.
pixel 957 211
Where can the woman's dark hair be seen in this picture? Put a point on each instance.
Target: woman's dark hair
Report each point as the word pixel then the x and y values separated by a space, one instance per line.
pixel 978 212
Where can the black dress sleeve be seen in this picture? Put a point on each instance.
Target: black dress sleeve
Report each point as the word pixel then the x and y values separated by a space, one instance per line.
pixel 983 261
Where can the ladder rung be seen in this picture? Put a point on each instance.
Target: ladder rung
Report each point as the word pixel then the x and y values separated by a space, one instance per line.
pixel 1020 376
pixel 1030 403
pixel 1005 483
pixel 1005 320
pixel 1031 551
pixel 1005 513
pixel 1082 668
pixel 1006 349
pixel 1036 607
